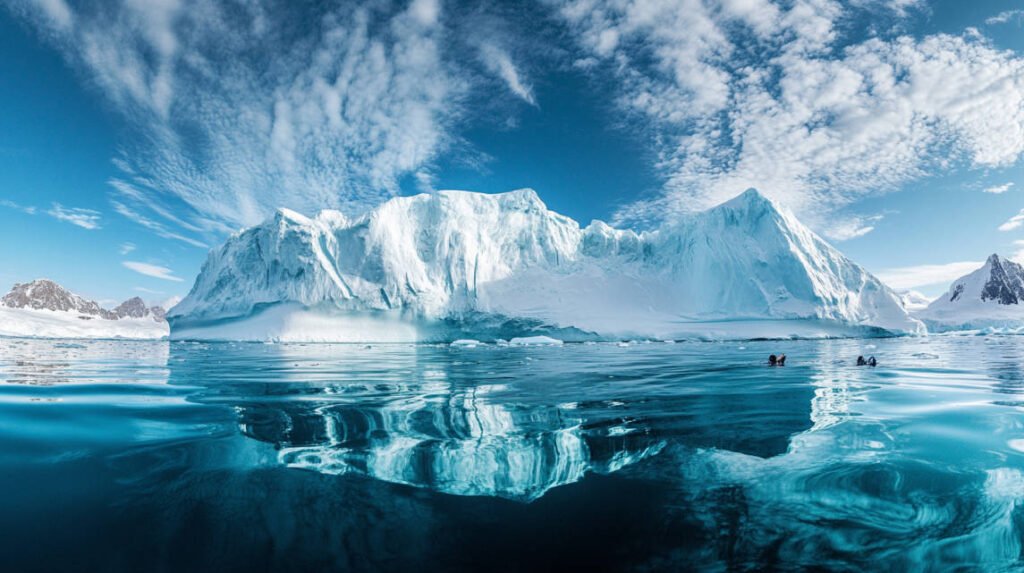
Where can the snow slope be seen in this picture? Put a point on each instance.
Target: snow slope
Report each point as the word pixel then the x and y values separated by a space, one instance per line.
pixel 44 309
pixel 468 265
pixel 990 297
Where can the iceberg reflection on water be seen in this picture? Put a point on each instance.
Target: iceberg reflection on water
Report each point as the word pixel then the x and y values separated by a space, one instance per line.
pixel 597 457
pixel 451 440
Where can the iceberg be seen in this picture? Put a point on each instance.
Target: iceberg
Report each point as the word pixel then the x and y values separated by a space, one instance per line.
pixel 462 265
pixel 535 341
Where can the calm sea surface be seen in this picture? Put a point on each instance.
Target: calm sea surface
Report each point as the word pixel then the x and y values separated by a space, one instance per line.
pixel 139 456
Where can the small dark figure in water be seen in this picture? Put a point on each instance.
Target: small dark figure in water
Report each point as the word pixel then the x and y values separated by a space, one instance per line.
pixel 872 362
pixel 773 360
pixel 782 360
pixel 861 361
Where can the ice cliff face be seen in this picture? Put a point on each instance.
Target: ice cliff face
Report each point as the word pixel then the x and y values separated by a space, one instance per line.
pixel 427 266
pixel 46 309
pixel 992 296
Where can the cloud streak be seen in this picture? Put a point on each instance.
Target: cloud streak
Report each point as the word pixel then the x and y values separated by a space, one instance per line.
pixel 926 275
pixel 1014 222
pixel 84 218
pixel 150 270
pixel 998 189
pixel 241 109
pixel 27 209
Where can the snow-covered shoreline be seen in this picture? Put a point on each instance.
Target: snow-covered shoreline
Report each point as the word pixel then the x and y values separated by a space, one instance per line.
pixel 33 323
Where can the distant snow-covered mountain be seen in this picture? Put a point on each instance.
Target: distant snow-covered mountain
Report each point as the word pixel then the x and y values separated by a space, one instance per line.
pixel 456 264
pixel 990 297
pixel 43 308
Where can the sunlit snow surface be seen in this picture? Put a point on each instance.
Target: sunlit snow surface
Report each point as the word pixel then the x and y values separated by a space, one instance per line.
pixel 131 456
pixel 454 264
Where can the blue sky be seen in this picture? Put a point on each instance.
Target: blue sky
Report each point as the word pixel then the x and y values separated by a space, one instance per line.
pixel 137 134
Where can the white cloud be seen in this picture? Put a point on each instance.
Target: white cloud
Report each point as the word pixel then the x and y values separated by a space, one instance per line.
pixel 851 228
pixel 1014 222
pixel 84 218
pixel 159 228
pixel 239 110
pixel 170 302
pixel 926 275
pixel 56 12
pixel 149 290
pixel 126 248
pixel 1018 254
pixel 154 271
pixel 999 189
pixel 775 95
pixel 1005 17
pixel 498 62
pixel 27 209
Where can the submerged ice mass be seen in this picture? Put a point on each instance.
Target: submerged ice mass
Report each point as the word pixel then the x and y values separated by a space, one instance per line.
pixel 454 265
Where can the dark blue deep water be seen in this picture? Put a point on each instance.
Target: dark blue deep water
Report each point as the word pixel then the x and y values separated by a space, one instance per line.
pixel 132 456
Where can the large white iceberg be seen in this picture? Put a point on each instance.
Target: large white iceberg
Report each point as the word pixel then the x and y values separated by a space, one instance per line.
pixel 453 264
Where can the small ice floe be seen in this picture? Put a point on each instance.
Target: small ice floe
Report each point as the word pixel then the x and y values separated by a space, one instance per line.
pixel 669 341
pixel 535 341
pixel 624 344
pixel 466 343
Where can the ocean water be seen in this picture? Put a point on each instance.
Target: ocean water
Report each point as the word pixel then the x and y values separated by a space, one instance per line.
pixel 157 456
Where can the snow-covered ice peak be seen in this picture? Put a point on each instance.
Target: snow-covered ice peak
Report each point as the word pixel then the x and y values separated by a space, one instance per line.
pixel 465 258
pixel 991 296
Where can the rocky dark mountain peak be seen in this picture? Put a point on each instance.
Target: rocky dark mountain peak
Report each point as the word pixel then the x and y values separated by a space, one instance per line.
pixel 44 294
pixel 1005 283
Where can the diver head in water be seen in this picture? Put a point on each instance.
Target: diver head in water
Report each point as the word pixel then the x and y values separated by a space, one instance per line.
pixel 773 360
pixel 861 361
pixel 872 361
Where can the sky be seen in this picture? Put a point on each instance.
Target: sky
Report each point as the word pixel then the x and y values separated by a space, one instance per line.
pixel 138 134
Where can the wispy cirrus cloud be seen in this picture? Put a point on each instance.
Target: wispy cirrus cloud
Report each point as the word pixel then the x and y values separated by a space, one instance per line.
pixel 27 209
pixel 151 270
pixel 926 275
pixel 1006 17
pixel 241 108
pixel 1014 222
pixel 84 218
pixel 789 98
pixel 852 227
pixel 499 62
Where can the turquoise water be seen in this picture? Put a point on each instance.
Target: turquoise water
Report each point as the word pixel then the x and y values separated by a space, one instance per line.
pixel 135 456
